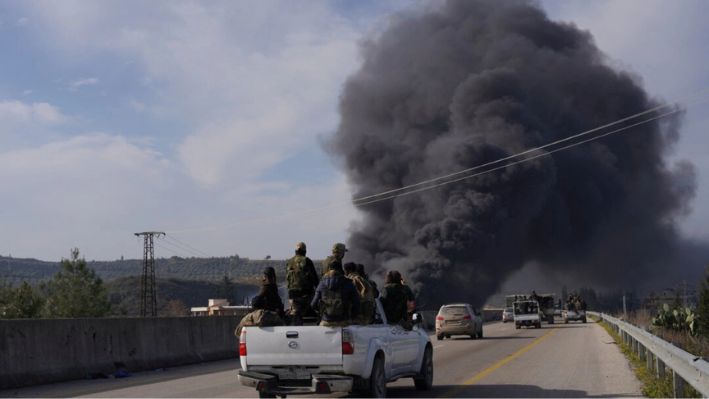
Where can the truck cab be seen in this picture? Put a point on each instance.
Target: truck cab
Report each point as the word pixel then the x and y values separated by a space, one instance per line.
pixel 290 360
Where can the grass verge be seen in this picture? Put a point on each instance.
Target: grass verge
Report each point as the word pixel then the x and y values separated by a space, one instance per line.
pixel 653 387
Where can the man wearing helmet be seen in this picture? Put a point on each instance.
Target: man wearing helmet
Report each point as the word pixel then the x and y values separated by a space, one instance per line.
pixel 302 279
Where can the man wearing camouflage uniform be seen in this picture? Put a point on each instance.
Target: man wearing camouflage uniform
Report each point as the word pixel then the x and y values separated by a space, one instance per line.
pixel 394 297
pixel 361 272
pixel 338 252
pixel 336 296
pixel 366 294
pixel 302 280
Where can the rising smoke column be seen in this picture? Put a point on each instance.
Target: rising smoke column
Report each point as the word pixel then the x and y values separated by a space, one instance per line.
pixel 474 81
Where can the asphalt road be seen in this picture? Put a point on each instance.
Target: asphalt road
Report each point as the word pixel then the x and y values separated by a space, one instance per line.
pixel 574 360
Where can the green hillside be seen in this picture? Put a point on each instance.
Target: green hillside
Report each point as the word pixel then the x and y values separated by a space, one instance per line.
pixel 14 270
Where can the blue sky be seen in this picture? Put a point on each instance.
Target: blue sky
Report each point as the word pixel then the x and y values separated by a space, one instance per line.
pixel 205 119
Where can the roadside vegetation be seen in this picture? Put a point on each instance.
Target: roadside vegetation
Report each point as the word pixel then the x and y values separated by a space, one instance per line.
pixel 652 386
pixel 683 326
pixel 76 290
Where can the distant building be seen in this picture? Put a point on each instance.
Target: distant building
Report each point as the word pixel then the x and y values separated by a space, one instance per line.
pixel 220 307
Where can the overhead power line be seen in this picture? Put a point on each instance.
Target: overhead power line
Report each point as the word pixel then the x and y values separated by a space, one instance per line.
pixel 435 182
pixel 185 245
pixel 504 166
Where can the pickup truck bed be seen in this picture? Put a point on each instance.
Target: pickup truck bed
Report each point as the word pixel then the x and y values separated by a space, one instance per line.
pixel 289 360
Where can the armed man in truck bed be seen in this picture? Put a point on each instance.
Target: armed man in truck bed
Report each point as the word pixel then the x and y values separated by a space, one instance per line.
pixel 336 296
pixel 302 280
pixel 338 252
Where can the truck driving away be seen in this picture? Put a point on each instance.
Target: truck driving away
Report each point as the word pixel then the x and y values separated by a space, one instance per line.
pixel 546 304
pixel 526 313
pixel 290 360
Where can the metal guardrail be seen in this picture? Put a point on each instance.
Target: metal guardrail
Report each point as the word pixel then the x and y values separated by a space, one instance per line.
pixel 661 356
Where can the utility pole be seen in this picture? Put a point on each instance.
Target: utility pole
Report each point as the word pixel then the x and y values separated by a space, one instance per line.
pixel 148 297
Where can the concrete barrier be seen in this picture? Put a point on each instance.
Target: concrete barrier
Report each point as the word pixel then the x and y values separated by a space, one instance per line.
pixel 42 351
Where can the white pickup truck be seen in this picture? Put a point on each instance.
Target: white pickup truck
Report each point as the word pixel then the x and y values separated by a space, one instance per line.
pixel 526 313
pixel 290 360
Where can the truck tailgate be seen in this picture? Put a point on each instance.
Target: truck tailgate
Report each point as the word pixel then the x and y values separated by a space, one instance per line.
pixel 291 346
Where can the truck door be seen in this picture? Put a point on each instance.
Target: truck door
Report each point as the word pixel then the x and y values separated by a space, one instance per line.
pixel 405 348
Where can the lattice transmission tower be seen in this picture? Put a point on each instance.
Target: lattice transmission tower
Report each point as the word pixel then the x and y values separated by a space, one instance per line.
pixel 148 297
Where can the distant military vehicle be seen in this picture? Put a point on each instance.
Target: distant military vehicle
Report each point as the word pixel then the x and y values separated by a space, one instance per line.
pixel 574 309
pixel 545 301
pixel 526 313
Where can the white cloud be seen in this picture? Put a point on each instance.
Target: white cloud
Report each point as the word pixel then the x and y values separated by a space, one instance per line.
pixel 257 80
pixel 253 84
pixel 13 112
pixel 77 84
pixel 68 193
pixel 25 124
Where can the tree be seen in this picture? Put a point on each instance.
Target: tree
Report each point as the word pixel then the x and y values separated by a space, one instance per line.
pixel 703 308
pixel 226 289
pixel 76 291
pixel 5 300
pixel 20 303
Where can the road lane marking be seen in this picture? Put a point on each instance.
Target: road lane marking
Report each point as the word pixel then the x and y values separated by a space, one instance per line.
pixel 479 376
pixel 437 346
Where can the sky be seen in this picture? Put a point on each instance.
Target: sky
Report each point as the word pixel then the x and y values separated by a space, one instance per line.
pixel 207 120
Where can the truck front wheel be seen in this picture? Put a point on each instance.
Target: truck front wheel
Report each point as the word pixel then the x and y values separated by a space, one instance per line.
pixel 424 381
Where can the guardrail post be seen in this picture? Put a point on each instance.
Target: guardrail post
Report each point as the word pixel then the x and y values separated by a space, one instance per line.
pixel 660 368
pixel 649 360
pixel 677 385
pixel 641 352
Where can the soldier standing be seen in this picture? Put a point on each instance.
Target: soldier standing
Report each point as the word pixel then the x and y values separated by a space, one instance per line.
pixel 366 294
pixel 336 297
pixel 302 280
pixel 338 252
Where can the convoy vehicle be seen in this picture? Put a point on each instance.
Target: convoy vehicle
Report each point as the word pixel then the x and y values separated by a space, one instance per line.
pixel 458 319
pixel 527 313
pixel 507 315
pixel 308 360
pixel 574 315
pixel 546 304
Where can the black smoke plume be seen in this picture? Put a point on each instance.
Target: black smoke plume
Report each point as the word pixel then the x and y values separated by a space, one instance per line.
pixel 474 81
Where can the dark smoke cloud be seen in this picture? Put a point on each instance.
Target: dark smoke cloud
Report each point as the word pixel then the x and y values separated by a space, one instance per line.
pixel 472 82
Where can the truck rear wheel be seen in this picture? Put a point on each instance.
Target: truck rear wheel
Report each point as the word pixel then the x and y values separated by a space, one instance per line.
pixel 377 387
pixel 424 381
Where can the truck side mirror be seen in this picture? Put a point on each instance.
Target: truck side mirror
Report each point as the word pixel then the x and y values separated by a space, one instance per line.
pixel 416 318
